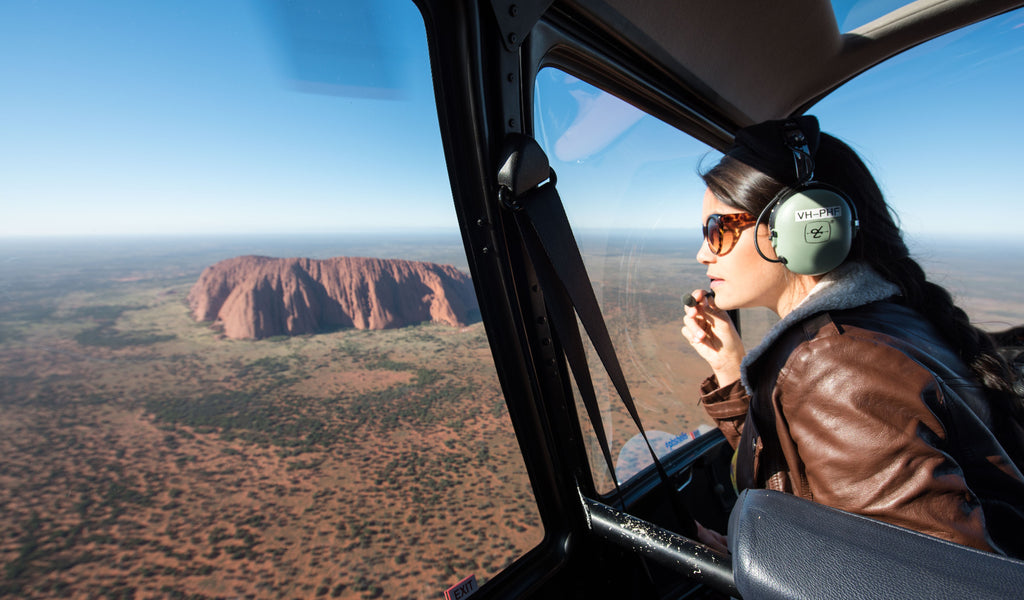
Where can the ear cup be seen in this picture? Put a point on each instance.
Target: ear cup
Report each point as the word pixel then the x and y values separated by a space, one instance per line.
pixel 812 229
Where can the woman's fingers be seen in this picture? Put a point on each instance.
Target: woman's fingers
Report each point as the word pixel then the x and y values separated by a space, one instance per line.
pixel 711 333
pixel 699 318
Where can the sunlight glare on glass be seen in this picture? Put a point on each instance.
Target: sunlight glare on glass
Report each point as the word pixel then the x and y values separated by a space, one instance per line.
pixel 340 48
pixel 600 119
pixel 618 167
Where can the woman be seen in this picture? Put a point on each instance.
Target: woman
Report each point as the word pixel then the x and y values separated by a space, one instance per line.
pixel 873 394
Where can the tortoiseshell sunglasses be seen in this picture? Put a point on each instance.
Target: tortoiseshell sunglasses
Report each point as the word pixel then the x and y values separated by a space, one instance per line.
pixel 723 231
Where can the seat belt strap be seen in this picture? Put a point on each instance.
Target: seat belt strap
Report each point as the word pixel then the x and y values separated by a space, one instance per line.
pixel 563 317
pixel 528 189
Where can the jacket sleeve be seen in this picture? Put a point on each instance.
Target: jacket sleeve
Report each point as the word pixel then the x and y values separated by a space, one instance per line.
pixel 857 433
pixel 727 406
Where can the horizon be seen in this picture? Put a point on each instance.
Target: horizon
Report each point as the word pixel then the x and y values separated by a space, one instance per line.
pixel 966 238
pixel 982 278
pixel 969 257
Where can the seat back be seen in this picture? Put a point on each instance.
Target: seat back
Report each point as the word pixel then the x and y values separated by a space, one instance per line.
pixel 786 547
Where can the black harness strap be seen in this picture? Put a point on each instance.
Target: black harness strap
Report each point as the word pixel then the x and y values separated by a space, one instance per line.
pixel 528 190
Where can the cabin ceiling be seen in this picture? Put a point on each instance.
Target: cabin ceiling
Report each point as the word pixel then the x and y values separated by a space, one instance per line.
pixel 771 59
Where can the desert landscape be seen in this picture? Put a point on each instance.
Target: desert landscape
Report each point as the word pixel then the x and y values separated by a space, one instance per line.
pixel 147 454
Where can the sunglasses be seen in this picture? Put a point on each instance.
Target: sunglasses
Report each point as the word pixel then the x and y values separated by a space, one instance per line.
pixel 723 231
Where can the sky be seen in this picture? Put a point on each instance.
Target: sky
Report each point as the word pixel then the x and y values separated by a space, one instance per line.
pixel 250 116
pixel 204 117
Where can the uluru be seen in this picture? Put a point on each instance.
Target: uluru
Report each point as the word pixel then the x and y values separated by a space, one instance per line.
pixel 255 297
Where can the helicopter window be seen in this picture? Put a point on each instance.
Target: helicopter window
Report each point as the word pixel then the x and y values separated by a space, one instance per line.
pixel 938 126
pixel 152 449
pixel 628 182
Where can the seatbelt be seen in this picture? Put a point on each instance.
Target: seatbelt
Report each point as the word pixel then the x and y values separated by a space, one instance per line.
pixel 527 189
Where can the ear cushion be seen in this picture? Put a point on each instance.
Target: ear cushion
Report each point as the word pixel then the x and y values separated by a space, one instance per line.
pixel 812 229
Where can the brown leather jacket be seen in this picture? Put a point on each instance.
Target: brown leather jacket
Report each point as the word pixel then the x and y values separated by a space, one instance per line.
pixel 866 410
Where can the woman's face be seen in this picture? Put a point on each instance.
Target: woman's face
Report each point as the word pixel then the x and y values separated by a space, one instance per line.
pixel 741 278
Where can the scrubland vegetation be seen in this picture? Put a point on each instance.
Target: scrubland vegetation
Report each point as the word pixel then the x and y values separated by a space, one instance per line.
pixel 144 456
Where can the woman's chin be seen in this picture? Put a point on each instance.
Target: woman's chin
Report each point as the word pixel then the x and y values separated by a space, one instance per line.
pixel 724 305
pixel 726 301
pixel 722 301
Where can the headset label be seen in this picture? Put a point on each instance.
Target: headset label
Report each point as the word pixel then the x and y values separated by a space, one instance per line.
pixel 825 212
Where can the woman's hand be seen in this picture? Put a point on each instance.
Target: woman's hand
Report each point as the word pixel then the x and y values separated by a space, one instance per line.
pixel 712 334
pixel 712 538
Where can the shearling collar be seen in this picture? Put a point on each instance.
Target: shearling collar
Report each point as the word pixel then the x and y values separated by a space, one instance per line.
pixel 850 285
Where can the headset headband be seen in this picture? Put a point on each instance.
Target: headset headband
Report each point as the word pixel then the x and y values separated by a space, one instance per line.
pixel 782 149
pixel 803 162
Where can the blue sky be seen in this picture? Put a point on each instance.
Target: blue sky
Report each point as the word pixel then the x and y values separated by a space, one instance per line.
pixel 234 116
pixel 171 117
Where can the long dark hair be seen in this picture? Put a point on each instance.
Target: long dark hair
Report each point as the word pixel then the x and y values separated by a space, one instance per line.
pixel 879 243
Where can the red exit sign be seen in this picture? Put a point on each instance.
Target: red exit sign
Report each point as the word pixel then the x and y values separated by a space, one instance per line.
pixel 462 589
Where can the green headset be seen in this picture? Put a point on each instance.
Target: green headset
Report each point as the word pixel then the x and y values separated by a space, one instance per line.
pixel 812 224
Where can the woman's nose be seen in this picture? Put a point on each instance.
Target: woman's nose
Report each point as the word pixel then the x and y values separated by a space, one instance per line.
pixel 705 255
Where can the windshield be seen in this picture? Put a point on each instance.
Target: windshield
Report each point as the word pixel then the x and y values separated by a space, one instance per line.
pixel 240 350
